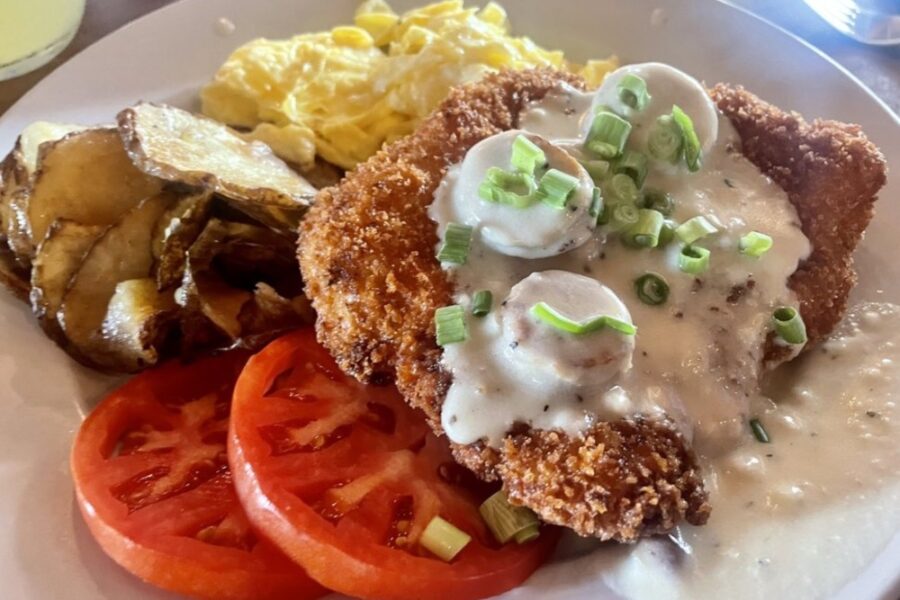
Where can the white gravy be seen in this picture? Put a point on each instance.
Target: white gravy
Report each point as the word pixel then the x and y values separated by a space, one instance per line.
pixel 695 358
pixel 801 516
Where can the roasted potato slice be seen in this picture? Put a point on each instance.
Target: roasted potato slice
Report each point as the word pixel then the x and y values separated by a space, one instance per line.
pixel 137 323
pixel 12 275
pixel 123 252
pixel 268 314
pixel 57 259
pixel 175 145
pixel 226 262
pixel 21 163
pixel 85 177
pixel 175 232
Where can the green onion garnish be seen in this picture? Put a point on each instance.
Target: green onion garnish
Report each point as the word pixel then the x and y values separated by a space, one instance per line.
pixel 651 289
pixel 633 92
pixel 689 137
pixel 457 239
pixel 608 135
pixel 789 325
pixel 481 302
pixel 693 259
pixel 597 208
pixel 694 229
pixel 515 189
pixel 544 312
pixel 556 187
pixel 623 187
pixel 597 169
pixel 755 244
pixel 624 216
pixel 658 200
pixel 443 539
pixel 665 140
pixel 759 432
pixel 526 156
pixel 507 521
pixel 633 164
pixel 645 233
pixel 450 325
pixel 667 233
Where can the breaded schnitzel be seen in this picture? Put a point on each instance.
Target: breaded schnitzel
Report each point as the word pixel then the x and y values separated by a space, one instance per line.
pixel 367 256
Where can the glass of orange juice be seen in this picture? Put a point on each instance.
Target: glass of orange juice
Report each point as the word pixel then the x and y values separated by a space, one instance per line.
pixel 33 32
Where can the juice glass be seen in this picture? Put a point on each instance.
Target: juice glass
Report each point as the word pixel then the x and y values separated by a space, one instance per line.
pixel 32 32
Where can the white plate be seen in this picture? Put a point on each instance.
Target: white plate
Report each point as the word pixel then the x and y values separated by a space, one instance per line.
pixel 45 551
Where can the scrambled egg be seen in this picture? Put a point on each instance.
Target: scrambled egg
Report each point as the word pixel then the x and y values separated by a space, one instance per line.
pixel 341 94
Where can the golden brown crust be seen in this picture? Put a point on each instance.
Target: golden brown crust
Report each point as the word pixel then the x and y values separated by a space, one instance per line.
pixel 375 291
pixel 620 480
pixel 831 173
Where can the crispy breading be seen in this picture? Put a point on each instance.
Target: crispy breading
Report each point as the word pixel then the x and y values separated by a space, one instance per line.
pixel 831 173
pixel 618 480
pixel 367 256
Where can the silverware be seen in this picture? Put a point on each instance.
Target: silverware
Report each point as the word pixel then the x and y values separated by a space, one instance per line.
pixel 870 22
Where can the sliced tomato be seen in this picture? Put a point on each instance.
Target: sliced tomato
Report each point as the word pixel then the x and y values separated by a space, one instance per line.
pixel 344 477
pixel 153 483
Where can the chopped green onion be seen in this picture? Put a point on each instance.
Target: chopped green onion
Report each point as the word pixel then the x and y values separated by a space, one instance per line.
pixel 645 233
pixel 550 316
pixel 526 156
pixel 633 92
pixel 515 189
pixel 658 200
pixel 665 140
pixel 597 169
pixel 556 187
pixel 689 137
pixel 694 229
pixel 507 521
pixel 651 289
pixel 443 539
pixel 667 233
pixel 481 302
pixel 693 259
pixel 457 239
pixel 755 244
pixel 450 325
pixel 623 187
pixel 608 135
pixel 529 534
pixel 789 325
pixel 633 164
pixel 624 216
pixel 597 208
pixel 759 432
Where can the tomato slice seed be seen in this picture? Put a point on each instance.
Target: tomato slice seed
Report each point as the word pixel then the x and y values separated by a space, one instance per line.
pixel 345 477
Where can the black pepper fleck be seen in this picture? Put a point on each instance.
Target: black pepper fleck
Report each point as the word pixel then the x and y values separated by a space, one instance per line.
pixel 514 344
pixel 871 413
pixel 546 407
pixel 679 315
pixel 729 183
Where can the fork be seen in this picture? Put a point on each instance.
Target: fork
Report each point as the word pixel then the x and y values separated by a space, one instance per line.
pixel 876 25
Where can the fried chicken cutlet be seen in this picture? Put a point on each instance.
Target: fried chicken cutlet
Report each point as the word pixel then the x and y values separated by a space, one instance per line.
pixel 367 253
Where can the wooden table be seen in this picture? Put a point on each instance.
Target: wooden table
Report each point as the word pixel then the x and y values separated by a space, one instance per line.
pixel 878 68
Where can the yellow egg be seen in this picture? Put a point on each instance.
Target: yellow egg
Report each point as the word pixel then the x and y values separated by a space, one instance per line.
pixel 342 94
